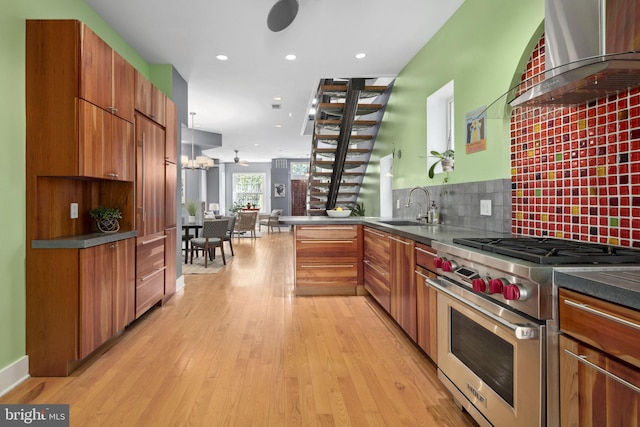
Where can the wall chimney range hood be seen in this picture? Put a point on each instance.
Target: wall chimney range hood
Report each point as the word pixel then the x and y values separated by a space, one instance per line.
pixel 592 50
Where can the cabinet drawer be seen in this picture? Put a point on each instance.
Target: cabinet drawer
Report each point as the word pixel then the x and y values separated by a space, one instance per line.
pixel 606 326
pixel 149 254
pixel 328 274
pixel 327 232
pixel 149 290
pixel 326 247
pixel 377 283
pixel 425 256
pixel 376 248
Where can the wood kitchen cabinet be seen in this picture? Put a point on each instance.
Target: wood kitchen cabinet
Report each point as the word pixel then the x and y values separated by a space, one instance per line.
pixel 150 177
pixel 74 128
pixel 377 265
pixel 328 259
pixel 426 301
pixel 402 283
pixel 170 165
pixel 149 100
pixel 90 301
pixel 599 362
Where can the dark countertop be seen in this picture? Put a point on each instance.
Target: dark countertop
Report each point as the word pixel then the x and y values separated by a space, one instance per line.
pixel 83 241
pixel 616 284
pixel 423 233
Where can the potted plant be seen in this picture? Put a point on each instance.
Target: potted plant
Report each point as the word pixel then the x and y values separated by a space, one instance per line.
pixel 192 209
pixel 445 158
pixel 106 218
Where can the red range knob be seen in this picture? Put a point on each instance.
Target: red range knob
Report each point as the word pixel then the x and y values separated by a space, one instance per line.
pixel 448 266
pixel 514 292
pixel 479 285
pixel 496 286
pixel 438 262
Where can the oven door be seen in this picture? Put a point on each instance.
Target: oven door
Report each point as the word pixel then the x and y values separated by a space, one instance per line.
pixel 490 357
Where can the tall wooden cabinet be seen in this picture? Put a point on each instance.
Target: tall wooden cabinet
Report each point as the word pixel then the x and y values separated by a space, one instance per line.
pixel 81 153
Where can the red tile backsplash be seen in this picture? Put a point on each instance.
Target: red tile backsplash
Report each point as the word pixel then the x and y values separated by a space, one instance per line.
pixel 575 171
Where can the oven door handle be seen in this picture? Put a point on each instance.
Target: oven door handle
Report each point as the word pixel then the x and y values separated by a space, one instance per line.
pixel 521 332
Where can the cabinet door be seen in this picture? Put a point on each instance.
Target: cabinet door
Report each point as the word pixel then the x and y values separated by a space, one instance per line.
pixel 150 175
pixel 124 283
pixel 120 161
pixel 95 69
pixel 403 291
pixel 95 130
pixel 123 88
pixel 96 277
pixel 149 100
pixel 595 389
pixel 171 183
pixel 426 313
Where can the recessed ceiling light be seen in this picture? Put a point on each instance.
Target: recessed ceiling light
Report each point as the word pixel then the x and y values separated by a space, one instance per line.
pixel 360 55
pixel 278 125
pixel 277 98
pixel 290 57
pixel 222 57
pixel 312 111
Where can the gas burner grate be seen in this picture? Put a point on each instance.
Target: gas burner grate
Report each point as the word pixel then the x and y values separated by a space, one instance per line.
pixel 549 251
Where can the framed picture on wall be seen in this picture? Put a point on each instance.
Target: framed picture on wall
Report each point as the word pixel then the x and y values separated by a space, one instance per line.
pixel 279 190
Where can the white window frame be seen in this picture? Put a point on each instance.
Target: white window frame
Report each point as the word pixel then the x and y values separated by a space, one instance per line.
pixel 259 193
pixel 440 123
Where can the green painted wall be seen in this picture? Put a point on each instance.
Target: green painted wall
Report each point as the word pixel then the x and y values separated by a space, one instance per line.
pixel 12 144
pixel 483 48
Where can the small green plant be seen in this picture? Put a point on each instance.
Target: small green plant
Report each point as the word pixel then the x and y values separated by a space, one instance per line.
pixel 102 213
pixel 236 207
pixel 446 158
pixel 192 208
pixel 357 209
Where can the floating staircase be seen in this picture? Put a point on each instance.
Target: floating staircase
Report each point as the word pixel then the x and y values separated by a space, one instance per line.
pixel 347 120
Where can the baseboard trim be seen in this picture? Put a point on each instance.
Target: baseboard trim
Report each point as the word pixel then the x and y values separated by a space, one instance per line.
pixel 14 374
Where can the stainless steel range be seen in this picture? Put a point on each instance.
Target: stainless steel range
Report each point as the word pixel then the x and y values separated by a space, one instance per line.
pixel 497 327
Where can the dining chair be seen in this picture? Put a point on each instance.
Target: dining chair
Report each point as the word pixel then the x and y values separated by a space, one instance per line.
pixel 270 220
pixel 213 234
pixel 246 223
pixel 230 230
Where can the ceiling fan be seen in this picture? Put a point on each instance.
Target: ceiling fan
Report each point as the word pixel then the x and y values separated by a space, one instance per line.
pixel 282 15
pixel 237 160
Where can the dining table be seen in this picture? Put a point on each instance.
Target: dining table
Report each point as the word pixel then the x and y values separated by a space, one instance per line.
pixel 187 235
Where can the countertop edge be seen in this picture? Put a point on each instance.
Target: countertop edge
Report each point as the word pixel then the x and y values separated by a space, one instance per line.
pixel 588 283
pixel 83 241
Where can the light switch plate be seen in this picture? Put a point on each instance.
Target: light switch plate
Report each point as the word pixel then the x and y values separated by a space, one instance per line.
pixel 485 207
pixel 74 210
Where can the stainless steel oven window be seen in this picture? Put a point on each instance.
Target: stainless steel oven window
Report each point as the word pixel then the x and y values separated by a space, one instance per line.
pixel 490 357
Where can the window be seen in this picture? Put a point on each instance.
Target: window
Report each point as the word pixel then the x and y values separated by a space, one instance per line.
pixel 249 188
pixel 440 124
pixel 299 170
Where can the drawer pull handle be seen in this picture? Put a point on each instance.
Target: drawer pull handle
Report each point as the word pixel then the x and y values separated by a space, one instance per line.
pixel 375 232
pixel 376 268
pixel 425 251
pixel 400 241
pixel 583 359
pixel 608 316
pixel 343 242
pixel 326 266
pixel 328 228
pixel 424 276
pixel 146 242
pixel 150 275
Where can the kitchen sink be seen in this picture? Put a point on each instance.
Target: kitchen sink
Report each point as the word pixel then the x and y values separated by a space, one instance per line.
pixel 404 222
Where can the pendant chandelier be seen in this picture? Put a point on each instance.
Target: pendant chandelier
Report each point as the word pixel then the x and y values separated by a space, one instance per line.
pixel 200 162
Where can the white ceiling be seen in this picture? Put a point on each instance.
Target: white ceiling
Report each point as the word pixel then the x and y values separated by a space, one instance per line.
pixel 235 97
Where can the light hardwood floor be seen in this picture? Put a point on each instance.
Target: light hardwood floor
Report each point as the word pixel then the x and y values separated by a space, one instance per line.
pixel 237 348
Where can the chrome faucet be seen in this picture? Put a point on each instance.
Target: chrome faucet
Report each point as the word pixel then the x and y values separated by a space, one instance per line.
pixel 421 215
